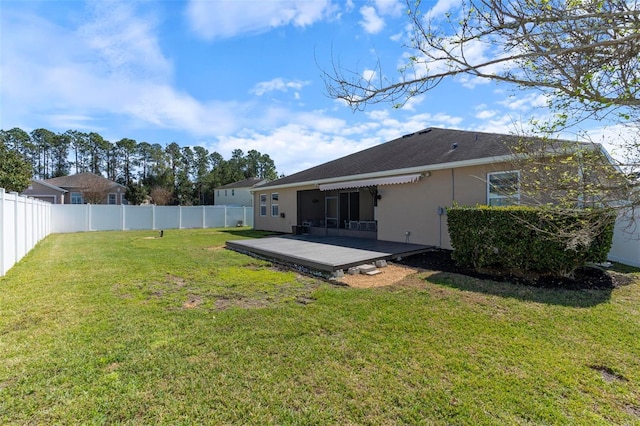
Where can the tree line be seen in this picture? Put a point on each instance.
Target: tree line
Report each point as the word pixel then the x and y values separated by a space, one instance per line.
pixel 176 175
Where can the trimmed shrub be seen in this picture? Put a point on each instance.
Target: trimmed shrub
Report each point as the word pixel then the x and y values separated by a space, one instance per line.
pixel 523 240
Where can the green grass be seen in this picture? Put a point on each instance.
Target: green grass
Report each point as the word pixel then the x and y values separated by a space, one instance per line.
pixel 123 327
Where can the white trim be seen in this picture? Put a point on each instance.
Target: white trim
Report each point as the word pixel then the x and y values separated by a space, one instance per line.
pixel 41 196
pixel 115 199
pixel 387 173
pixel 48 185
pixel 260 206
pixel 276 204
pixel 499 197
pixel 371 182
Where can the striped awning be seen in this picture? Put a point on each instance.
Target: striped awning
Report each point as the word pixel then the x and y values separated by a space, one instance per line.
pixel 391 180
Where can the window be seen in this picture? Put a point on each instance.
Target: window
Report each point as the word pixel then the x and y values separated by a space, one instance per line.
pixel 76 198
pixel 274 204
pixel 218 192
pixel 233 192
pixel 112 199
pixel 503 188
pixel 263 204
pixel 225 192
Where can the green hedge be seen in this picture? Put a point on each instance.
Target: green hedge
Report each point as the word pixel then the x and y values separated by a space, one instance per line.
pixel 523 240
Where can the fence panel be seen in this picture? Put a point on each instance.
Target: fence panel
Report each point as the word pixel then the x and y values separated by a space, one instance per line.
pixel 192 217
pixel 23 223
pixel 140 217
pixel 82 218
pixel 626 239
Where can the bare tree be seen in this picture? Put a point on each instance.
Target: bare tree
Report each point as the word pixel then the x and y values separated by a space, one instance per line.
pixel 581 50
pixel 96 188
pixel 161 196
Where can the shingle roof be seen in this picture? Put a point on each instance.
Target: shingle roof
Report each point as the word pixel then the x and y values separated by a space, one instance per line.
pixel 80 180
pixel 246 183
pixel 50 186
pixel 427 147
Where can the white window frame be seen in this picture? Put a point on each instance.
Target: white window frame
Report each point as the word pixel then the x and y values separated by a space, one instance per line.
pixel 263 204
pixel 275 210
pixel 76 198
pixel 495 199
pixel 115 198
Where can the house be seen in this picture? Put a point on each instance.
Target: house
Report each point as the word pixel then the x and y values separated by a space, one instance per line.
pixel 236 193
pixel 81 188
pixel 45 191
pixel 396 191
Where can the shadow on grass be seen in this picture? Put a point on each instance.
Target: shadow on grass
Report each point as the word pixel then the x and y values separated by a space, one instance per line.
pixel 248 233
pixel 624 269
pixel 551 296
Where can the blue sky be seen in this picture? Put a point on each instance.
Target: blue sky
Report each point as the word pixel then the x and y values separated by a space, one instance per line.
pixel 227 74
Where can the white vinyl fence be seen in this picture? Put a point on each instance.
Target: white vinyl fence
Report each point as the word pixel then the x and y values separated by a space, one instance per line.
pixel 23 222
pixel 88 217
pixel 626 239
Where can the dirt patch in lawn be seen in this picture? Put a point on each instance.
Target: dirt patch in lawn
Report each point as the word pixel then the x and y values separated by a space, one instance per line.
pixel 192 302
pixel 392 274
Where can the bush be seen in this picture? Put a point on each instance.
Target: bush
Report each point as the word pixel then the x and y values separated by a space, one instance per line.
pixel 529 240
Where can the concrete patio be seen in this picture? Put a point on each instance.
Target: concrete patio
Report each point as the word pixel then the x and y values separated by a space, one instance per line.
pixel 325 254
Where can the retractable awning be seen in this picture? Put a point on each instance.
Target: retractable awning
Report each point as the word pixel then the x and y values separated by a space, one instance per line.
pixel 391 180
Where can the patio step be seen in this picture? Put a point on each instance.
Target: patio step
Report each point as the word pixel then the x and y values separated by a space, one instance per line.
pixel 368 269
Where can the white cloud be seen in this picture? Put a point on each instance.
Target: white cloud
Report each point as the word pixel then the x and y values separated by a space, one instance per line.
pixel 371 22
pixel 278 84
pixel 525 101
pixel 413 102
pixel 442 7
pixel 368 74
pixel 104 68
pixel 224 19
pixel 389 7
pixel 293 147
pixel 123 42
pixel 485 114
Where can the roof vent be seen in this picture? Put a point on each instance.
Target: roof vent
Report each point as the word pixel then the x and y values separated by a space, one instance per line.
pixel 410 134
pixel 454 146
pixel 422 132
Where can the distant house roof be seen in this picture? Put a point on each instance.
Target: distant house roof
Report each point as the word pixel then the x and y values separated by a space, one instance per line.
pixel 246 183
pixel 427 149
pixel 80 180
pixel 51 186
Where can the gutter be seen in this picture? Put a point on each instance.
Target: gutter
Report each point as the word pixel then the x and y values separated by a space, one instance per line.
pixel 389 173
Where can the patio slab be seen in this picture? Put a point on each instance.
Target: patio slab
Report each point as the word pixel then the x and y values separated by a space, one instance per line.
pixel 326 254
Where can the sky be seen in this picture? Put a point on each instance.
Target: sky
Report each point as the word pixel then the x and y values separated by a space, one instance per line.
pixel 228 75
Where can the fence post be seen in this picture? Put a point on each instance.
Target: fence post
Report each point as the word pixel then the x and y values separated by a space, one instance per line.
pixel 15 226
pixel 153 217
pixel 225 215
pixel 122 217
pixel 179 217
pixel 3 230
pixel 244 216
pixel 204 216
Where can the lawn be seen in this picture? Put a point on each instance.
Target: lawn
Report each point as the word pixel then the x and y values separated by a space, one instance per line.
pixel 126 327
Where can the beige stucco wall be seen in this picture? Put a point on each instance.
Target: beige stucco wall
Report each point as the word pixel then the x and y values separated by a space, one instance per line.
pixel 402 208
pixel 287 204
pixel 42 192
pixel 414 207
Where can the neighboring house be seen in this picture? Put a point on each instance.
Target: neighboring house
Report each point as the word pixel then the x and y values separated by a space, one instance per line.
pixel 236 193
pixel 81 188
pixel 46 192
pixel 395 191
